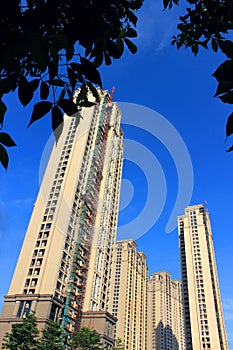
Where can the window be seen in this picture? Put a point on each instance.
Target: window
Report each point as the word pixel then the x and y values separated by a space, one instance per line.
pixel 39 262
pixel 19 313
pixel 41 252
pixel 46 234
pixel 34 282
pixel 36 272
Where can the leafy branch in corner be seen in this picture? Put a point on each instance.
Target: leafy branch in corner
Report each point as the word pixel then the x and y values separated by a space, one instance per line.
pixel 206 25
pixel 52 48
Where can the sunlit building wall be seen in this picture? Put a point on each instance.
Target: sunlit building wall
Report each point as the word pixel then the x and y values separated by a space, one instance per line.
pixel 64 268
pixel 204 322
pixel 165 327
pixel 128 302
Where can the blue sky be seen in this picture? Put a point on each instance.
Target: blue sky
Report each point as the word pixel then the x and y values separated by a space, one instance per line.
pixel 179 87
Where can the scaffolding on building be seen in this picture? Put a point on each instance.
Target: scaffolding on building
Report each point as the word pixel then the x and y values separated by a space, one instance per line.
pixel 72 313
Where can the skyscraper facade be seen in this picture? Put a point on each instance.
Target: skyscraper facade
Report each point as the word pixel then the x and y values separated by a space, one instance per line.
pixel 165 322
pixel 129 294
pixel 204 323
pixel 63 271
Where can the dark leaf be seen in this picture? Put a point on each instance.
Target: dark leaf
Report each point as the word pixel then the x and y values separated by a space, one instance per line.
pixel 224 71
pixel 204 44
pixel 114 50
pixel 107 58
pixel 98 59
pixel 132 17
pixel 57 122
pixel 59 41
pixel 6 85
pixel 69 53
pixel 44 90
pixel 34 84
pixel 90 71
pixel 53 64
pixel 4 159
pixel 38 50
pixel 94 92
pixel 62 94
pixel 174 40
pixel 131 33
pixel 229 125
pixel 195 48
pixel 6 140
pixel 224 87
pixel 82 94
pixel 120 44
pixel 227 98
pixel 214 45
pixel 80 79
pixel 166 3
pixel 57 82
pixel 88 49
pixel 68 106
pixel 227 47
pixel 230 149
pixel 136 4
pixel 70 94
pixel 77 67
pixel 39 110
pixel 132 48
pixel 26 90
pixel 72 77
pixel 3 110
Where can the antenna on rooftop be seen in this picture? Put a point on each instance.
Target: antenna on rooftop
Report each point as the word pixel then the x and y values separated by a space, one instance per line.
pixel 110 97
pixel 113 91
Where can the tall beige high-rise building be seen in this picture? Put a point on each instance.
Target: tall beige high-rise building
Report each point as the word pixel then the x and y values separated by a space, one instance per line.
pixel 129 294
pixel 165 325
pixel 204 322
pixel 63 271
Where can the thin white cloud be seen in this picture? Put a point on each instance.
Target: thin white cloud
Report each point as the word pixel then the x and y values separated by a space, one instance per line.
pixel 156 26
pixel 18 201
pixel 228 309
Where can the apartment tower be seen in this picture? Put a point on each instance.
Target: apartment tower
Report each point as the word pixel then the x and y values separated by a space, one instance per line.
pixel 204 322
pixel 165 313
pixel 129 294
pixel 63 270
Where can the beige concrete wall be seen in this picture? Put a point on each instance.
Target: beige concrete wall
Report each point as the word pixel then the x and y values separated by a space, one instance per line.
pixel 129 302
pixel 202 279
pixel 165 313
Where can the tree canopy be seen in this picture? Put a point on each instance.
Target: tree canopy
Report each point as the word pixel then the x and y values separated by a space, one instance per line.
pixel 23 336
pixel 86 339
pixel 50 48
pixel 26 336
pixel 208 24
pixel 52 337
